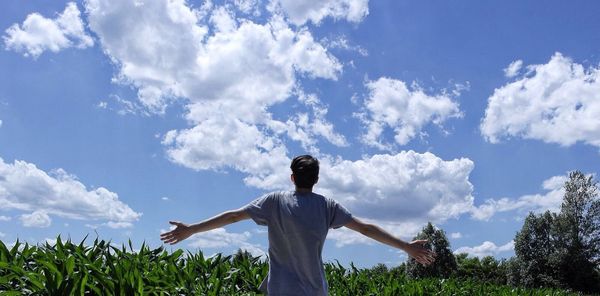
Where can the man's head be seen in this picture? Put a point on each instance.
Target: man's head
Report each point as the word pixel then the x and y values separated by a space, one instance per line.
pixel 305 171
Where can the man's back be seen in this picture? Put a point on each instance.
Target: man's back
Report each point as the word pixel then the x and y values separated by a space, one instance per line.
pixel 298 224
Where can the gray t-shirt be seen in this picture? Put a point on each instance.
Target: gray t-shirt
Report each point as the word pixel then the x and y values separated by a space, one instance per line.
pixel 297 224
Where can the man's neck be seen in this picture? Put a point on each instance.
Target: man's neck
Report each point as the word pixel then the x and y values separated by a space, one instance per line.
pixel 303 190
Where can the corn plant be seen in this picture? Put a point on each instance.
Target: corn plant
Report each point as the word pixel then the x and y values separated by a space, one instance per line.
pixel 66 268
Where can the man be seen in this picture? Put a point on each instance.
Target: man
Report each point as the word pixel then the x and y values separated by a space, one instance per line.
pixel 298 222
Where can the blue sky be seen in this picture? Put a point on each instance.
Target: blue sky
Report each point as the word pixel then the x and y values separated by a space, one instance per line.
pixel 117 116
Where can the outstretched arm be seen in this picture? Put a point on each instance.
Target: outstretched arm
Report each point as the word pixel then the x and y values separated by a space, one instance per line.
pixel 183 231
pixel 414 249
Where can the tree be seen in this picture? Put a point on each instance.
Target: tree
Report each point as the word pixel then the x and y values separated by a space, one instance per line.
pixel 535 247
pixel 579 227
pixel 445 263
pixel 563 249
pixel 486 269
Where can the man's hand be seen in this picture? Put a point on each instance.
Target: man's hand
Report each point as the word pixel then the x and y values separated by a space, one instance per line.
pixel 417 250
pixel 181 232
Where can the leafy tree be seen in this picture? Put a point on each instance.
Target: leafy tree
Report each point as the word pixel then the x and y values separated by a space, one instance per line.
pixel 535 246
pixel 445 263
pixel 562 249
pixel 486 269
pixel 579 227
pixel 512 270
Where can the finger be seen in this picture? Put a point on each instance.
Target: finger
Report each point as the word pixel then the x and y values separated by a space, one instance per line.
pixel 176 223
pixel 171 240
pixel 167 234
pixel 164 239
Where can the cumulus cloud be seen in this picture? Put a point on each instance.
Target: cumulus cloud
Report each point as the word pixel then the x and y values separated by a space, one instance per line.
pixel 36 219
pixel 38 34
pixel 118 225
pixel 341 42
pixel 239 62
pixel 5 218
pixel 513 69
pixel 400 187
pixel 225 142
pixel 301 12
pixel 456 235
pixel 399 192
pixel 220 238
pixel 392 104
pixel 228 72
pixel 217 65
pixel 248 6
pixel 551 200
pixel 305 127
pixel 25 187
pixel 487 248
pixel 557 102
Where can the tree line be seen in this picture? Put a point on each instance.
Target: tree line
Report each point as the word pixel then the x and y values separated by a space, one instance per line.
pixel 552 250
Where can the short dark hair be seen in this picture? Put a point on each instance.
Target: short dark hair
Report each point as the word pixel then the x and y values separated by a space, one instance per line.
pixel 306 171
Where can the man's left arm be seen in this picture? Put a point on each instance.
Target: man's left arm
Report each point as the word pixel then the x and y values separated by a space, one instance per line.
pixel 183 231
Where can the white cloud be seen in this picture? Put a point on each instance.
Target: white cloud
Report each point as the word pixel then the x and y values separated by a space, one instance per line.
pixel 5 218
pixel 36 219
pixel 392 104
pixel 300 12
pixel 513 69
pixel 119 225
pixel 487 248
pixel 344 236
pixel 401 187
pixel 248 6
pixel 538 203
pixel 220 238
pixel 230 76
pixel 38 34
pixel 456 235
pixel 239 62
pixel 557 102
pixel 0 123
pixel 305 127
pixel 164 198
pixel 341 42
pixel 25 187
pixel 398 192
pixel 2 234
pixel 223 142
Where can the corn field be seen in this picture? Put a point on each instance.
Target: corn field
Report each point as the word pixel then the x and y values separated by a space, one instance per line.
pixel 66 268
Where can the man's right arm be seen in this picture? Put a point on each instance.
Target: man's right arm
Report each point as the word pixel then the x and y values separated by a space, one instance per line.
pixel 414 249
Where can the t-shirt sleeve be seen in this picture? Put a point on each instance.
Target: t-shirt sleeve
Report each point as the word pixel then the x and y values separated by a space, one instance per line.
pixel 260 209
pixel 339 215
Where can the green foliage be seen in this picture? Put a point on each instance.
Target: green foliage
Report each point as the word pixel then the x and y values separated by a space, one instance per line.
pixel 445 263
pixel 374 282
pixel 66 268
pixel 103 269
pixel 562 250
pixel 486 269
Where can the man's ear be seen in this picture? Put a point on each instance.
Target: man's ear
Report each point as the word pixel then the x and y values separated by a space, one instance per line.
pixel 317 181
pixel 292 178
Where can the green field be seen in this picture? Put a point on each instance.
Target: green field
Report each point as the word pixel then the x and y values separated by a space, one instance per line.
pixel 99 268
